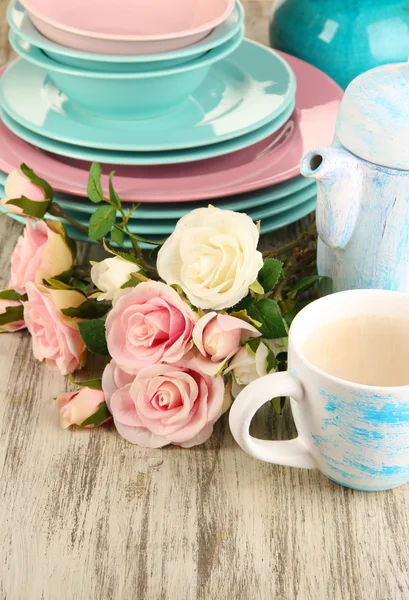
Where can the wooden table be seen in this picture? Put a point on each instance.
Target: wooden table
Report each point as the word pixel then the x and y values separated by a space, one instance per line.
pixel 85 515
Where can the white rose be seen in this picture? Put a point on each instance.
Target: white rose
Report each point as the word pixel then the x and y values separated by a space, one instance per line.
pixel 212 255
pixel 247 366
pixel 111 274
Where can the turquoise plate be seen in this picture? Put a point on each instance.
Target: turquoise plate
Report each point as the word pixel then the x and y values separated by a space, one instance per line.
pixel 241 93
pixel 147 158
pixel 156 226
pixel 21 23
pixel 292 188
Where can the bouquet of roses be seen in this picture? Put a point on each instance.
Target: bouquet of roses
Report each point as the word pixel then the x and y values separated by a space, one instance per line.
pixel 183 329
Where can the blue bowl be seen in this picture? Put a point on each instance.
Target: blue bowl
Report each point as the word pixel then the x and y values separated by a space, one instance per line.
pixel 126 96
pixel 22 26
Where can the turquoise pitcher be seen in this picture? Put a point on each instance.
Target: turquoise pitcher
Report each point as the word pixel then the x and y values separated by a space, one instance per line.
pixel 343 38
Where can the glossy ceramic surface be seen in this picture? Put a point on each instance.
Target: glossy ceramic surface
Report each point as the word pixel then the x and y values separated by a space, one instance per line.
pixel 275 159
pixel 291 191
pixel 241 94
pixel 148 158
pixel 267 226
pixel 343 37
pixel 132 21
pixel 117 96
pixel 21 24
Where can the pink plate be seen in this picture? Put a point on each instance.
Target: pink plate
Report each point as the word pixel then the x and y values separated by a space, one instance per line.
pixel 271 161
pixel 131 20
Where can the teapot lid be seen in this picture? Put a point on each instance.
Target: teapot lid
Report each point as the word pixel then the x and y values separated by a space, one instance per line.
pixel 373 119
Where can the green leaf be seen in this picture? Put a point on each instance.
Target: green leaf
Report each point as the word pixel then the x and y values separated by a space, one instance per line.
pixel 271 361
pixel 101 222
pixel 244 316
pixel 41 183
pixel 291 314
pixel 94 187
pixel 93 335
pixel 253 344
pixel 80 284
pixel 98 417
pixel 33 209
pixel 244 304
pixel 113 196
pixel 132 282
pixel 94 384
pixel 256 288
pixel 270 273
pixel 57 284
pixel 13 313
pixel 124 255
pixel 118 237
pixel 267 312
pixel 304 284
pixel 138 238
pixel 90 309
pixel 325 286
pixel 278 404
pixel 12 295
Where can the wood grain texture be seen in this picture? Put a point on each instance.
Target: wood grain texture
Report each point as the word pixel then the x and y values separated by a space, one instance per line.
pixel 85 515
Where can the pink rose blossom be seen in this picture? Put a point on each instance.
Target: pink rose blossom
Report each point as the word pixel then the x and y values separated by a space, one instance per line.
pixel 147 325
pixel 218 337
pixel 114 378
pixel 41 252
pixel 56 338
pixel 17 185
pixel 76 407
pixel 14 325
pixel 168 404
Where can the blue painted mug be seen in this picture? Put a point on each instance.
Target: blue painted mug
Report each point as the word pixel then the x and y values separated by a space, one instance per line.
pixel 356 434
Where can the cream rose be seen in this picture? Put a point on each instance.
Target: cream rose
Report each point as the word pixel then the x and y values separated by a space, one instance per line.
pixel 212 255
pixel 110 275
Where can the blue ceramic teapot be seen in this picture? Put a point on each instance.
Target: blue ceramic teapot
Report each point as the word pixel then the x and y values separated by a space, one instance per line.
pixel 343 38
pixel 363 185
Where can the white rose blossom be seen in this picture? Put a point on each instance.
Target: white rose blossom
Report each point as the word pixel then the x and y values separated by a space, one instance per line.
pixel 212 255
pixel 111 274
pixel 247 366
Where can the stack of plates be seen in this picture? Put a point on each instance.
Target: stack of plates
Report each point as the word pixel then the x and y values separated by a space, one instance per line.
pixel 235 142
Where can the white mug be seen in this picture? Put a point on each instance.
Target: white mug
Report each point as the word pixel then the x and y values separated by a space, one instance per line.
pixel 355 434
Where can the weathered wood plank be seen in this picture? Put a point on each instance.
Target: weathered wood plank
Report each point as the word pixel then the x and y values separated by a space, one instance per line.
pixel 85 515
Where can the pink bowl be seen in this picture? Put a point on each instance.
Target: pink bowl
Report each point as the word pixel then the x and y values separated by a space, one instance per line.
pixel 127 26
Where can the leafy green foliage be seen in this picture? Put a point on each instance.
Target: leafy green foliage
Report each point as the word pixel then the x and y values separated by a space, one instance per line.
pixel 98 417
pixel 138 238
pixel 36 180
pixel 270 273
pixel 30 208
pixel 12 295
pixel 101 222
pixel 118 237
pixel 113 196
pixel 94 384
pixel 94 187
pixel 13 313
pixel 90 309
pixel 267 312
pixel 93 335
pixel 256 288
pixel 291 314
pixel 304 284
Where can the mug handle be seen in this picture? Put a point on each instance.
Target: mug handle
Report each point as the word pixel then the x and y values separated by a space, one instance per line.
pixel 292 453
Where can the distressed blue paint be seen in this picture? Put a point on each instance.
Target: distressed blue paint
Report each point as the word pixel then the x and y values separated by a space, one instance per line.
pixel 364 438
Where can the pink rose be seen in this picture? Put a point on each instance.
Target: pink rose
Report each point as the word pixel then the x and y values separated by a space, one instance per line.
pixel 149 324
pixel 56 338
pixel 41 252
pixel 76 407
pixel 17 185
pixel 218 337
pixel 14 325
pixel 168 404
pixel 114 378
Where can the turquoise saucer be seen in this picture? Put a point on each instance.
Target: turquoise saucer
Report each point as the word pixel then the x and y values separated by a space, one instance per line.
pixel 241 94
pixel 169 210
pixel 145 158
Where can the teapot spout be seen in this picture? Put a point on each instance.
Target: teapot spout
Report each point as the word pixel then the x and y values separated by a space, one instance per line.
pixel 338 174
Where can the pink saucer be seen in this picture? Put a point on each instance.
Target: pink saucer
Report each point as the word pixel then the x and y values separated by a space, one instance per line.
pixel 271 161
